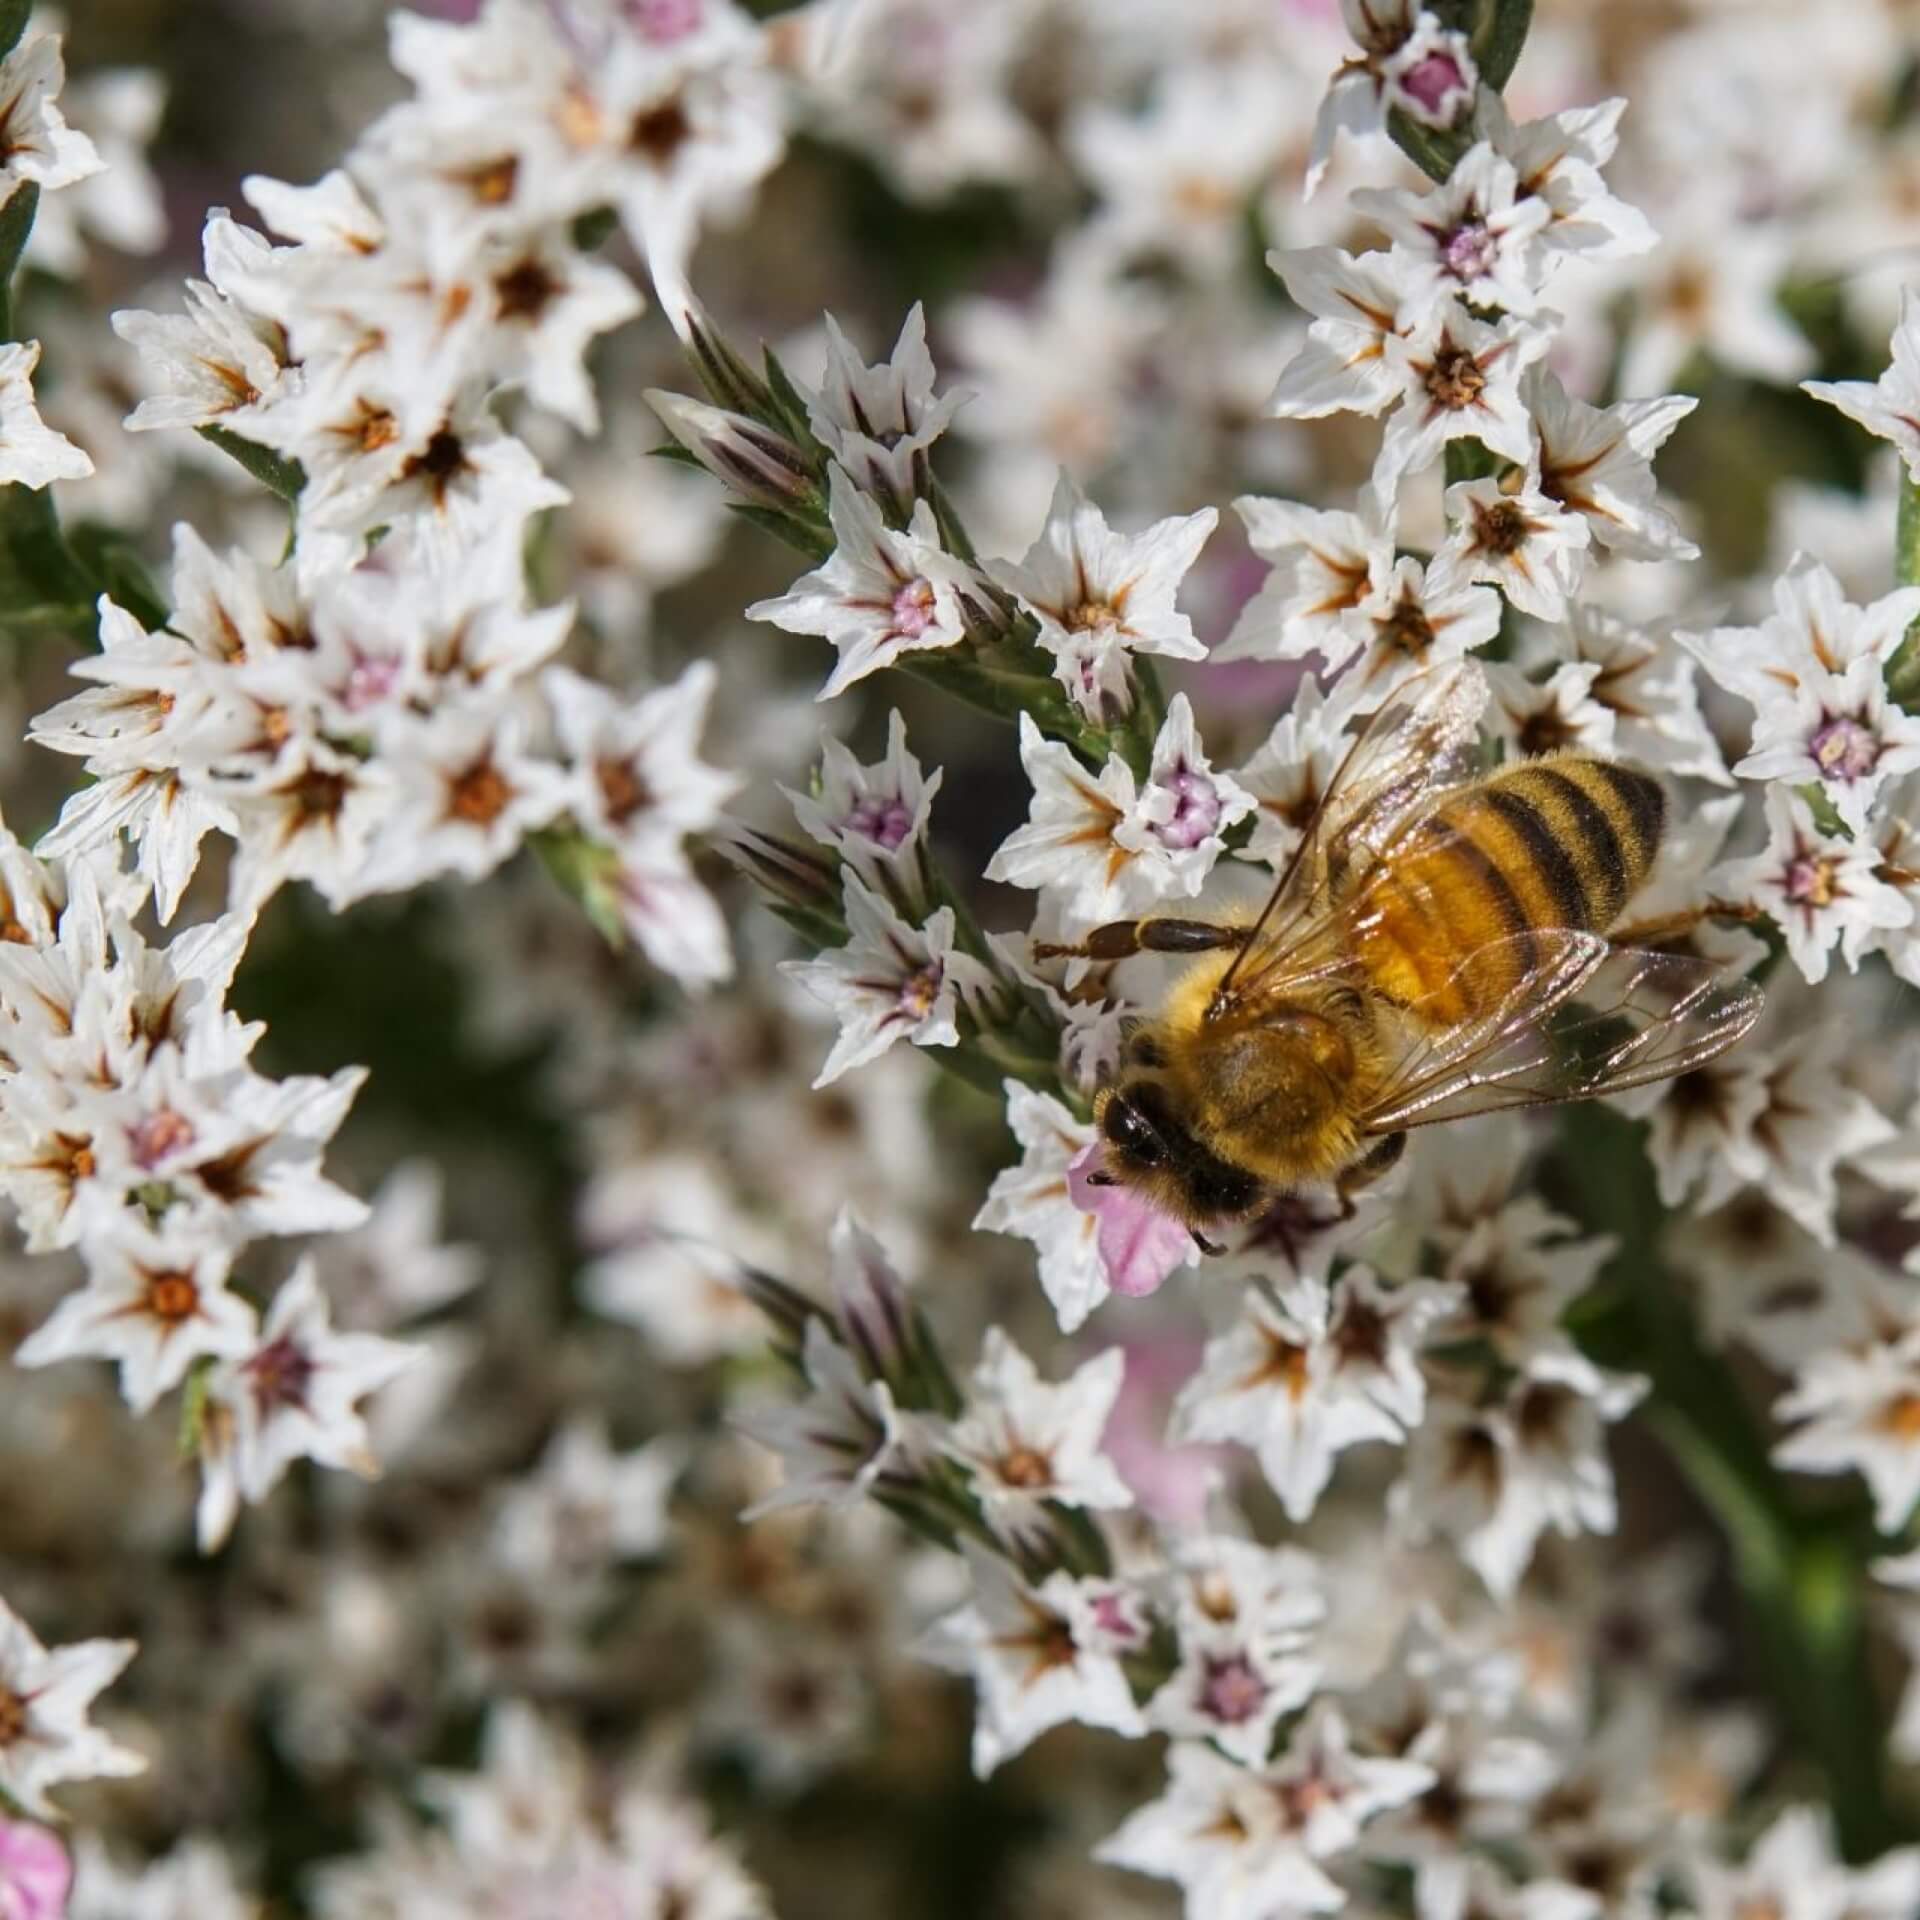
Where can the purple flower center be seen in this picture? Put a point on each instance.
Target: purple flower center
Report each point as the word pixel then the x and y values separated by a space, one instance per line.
pixel 1809 881
pixel 664 21
pixel 1231 1691
pixel 1111 1616
pixel 1845 749
pixel 1196 809
pixel 152 1139
pixel 370 680
pixel 1469 250
pixel 279 1374
pixel 883 819
pixel 913 609
pixel 1434 80
pixel 918 991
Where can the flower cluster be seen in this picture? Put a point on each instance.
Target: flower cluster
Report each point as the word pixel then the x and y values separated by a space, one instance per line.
pixel 592 1519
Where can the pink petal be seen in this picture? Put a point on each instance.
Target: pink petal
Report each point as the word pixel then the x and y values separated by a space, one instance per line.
pixel 35 1873
pixel 1171 1483
pixel 1139 1244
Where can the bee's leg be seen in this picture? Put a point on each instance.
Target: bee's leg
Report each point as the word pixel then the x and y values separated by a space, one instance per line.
pixel 1120 939
pixel 1379 1159
pixel 1666 927
pixel 1212 1248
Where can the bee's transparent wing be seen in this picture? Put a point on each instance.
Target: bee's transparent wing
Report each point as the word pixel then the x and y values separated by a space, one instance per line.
pixel 1597 1020
pixel 1423 741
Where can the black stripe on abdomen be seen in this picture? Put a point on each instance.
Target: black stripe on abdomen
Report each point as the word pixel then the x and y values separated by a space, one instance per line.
pixel 1535 834
pixel 1605 859
pixel 1646 805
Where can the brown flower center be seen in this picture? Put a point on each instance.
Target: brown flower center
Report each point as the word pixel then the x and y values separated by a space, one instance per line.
pixel 1026 1467
pixel 479 795
pixel 172 1296
pixel 524 292
pixel 1455 379
pixel 660 132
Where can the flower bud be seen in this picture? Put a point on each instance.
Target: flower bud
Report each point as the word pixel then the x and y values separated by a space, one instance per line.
pixel 761 465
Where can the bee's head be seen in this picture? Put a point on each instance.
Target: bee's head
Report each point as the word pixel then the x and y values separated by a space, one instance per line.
pixel 1150 1148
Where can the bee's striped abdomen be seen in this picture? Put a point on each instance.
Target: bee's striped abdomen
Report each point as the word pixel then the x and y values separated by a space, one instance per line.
pixel 1562 842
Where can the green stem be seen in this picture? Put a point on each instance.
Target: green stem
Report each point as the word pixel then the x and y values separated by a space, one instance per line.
pixel 1903 670
pixel 1802 1575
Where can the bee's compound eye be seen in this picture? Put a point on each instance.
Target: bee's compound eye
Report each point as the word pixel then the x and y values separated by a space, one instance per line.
pixel 1130 1130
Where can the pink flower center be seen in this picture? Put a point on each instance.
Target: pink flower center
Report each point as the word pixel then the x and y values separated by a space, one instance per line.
pixel 664 21
pixel 913 609
pixel 1469 250
pixel 370 680
pixel 1434 81
pixel 1111 1616
pixel 151 1140
pixel 1844 749
pixel 919 991
pixel 1232 1692
pixel 884 821
pixel 1810 881
pixel 279 1373
pixel 1196 809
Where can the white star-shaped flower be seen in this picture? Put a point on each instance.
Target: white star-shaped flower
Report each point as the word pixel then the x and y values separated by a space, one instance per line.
pixel 1324 566
pixel 1244 1620
pixel 1099 847
pixel 1821 891
pixel 1039 1657
pixel 1889 408
pixel 1288 777
pixel 1359 305
pixel 880 594
pixel 1246 1843
pixel 640 781
pixel 1027 1441
pixel 585 1506
pixel 1100 595
pixel 1472 235
pixel 295 1396
pixel 874 817
pixel 31 453
pixel 1598 462
pixel 878 422
pixel 1034 1201
pixel 156 1300
pixel 1302 1380
pixel 45 1737
pixel 1516 538
pixel 1414 620
pixel 889 982
pixel 1558 158
pixel 1456 376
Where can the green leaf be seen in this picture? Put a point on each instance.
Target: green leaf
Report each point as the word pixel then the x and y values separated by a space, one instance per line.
pixel 1903 670
pixel 1825 815
pixel 1434 152
pixel 13 23
pixel 594 228
pixel 114 565
pixel 42 582
pixel 674 451
pixel 16 223
pixel 282 476
pixel 1497 40
pixel 789 401
pixel 802 535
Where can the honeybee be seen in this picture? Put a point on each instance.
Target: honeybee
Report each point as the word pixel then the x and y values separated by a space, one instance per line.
pixel 1434 949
